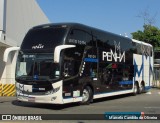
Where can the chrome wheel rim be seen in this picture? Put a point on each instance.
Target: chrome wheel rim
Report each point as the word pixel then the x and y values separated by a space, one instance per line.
pixel 141 88
pixel 135 89
pixel 85 96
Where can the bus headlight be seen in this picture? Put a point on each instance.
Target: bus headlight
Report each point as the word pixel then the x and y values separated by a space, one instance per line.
pixel 52 91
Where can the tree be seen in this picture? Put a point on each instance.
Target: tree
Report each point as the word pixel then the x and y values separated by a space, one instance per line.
pixel 147 18
pixel 150 34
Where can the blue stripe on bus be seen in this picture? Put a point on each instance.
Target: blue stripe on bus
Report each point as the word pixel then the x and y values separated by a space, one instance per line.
pixel 126 82
pixel 90 60
pixel 136 69
pixel 35 88
pixel 111 91
pixel 146 88
pixel 67 97
pixel 70 97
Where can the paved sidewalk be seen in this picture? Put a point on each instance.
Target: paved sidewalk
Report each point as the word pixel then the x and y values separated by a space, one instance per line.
pixel 6 99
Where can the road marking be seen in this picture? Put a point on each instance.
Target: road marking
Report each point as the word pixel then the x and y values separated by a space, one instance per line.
pixel 149 93
pixel 152 107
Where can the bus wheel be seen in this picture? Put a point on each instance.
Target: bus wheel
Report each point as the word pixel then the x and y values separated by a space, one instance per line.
pixel 87 95
pixel 142 88
pixel 136 89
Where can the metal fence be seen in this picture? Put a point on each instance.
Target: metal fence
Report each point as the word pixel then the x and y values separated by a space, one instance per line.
pixel 156 77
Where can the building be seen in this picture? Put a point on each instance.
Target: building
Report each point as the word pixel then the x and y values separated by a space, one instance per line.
pixel 16 17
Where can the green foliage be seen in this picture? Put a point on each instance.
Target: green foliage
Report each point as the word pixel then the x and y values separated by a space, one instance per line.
pixel 150 34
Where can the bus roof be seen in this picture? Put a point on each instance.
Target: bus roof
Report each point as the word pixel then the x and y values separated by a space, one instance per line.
pixel 141 42
pixel 81 26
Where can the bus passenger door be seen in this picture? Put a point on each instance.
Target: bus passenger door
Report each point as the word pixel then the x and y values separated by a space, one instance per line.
pixel 90 70
pixel 71 63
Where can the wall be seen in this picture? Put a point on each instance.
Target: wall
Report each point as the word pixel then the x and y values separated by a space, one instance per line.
pixel 16 18
pixel 20 16
pixel 1 14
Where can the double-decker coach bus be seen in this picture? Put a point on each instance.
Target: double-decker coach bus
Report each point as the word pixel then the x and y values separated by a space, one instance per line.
pixel 70 62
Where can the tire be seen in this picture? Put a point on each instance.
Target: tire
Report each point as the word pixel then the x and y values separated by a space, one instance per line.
pixel 87 96
pixel 142 88
pixel 136 89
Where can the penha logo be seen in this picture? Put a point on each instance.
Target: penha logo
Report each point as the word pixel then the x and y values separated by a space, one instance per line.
pixel 39 46
pixel 117 55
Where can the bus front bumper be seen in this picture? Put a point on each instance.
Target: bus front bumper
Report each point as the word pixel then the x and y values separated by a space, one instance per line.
pixel 54 96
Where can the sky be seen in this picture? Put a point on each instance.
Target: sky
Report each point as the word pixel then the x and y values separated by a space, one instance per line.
pixel 116 16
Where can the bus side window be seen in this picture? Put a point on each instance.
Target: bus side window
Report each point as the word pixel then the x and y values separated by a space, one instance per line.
pixel 105 73
pixel 134 48
pixel 93 70
pixel 139 49
pixel 107 76
pixel 71 61
pixel 79 37
pixel 68 68
pixel 71 68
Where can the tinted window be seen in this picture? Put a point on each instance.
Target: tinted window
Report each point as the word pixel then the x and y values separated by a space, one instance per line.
pixel 138 46
pixel 40 66
pixel 72 58
pixel 44 38
pixel 113 72
pixel 79 37
pixel 142 49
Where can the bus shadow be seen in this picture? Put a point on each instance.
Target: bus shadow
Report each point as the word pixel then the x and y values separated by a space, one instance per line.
pixel 65 106
pixel 44 106
pixel 112 98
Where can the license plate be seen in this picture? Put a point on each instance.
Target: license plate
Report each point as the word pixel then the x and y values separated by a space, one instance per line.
pixel 31 99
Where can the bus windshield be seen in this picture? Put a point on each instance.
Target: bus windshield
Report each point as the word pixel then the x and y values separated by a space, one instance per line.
pixel 37 67
pixel 44 38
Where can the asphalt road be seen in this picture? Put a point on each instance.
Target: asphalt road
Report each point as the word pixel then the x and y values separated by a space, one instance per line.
pixel 149 103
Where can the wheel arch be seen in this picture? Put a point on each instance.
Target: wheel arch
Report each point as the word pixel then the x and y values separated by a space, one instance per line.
pixel 91 87
pixel 88 84
pixel 143 83
pixel 136 82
